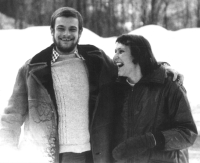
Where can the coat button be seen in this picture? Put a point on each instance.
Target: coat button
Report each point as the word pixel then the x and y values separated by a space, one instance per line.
pixel 98 153
pixel 53 151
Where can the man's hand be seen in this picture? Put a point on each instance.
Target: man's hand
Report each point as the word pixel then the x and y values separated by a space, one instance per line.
pixel 176 75
pixel 134 146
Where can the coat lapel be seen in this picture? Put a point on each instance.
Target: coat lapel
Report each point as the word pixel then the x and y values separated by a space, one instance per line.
pixel 43 75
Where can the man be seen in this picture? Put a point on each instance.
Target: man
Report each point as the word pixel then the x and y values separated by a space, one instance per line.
pixel 64 98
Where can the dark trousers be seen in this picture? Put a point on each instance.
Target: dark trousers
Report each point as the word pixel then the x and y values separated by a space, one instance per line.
pixel 69 157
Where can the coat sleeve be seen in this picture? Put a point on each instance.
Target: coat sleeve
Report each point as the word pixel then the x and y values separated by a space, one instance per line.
pixel 182 131
pixel 109 69
pixel 14 114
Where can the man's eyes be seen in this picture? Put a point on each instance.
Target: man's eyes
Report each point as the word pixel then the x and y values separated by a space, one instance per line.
pixel 60 29
pixel 71 29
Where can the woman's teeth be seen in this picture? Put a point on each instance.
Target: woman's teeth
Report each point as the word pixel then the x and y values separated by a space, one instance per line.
pixel 119 64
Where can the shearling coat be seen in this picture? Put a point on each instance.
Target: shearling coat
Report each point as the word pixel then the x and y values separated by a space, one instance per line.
pixel 158 105
pixel 33 104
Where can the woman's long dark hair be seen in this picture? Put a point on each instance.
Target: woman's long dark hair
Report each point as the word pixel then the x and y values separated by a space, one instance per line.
pixel 141 52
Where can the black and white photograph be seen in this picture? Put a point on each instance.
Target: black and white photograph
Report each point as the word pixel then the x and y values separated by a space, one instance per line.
pixel 99 81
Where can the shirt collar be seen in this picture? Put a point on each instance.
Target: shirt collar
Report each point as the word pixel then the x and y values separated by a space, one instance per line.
pixel 131 84
pixel 55 55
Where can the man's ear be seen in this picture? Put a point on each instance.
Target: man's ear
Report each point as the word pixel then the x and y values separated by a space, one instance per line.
pixel 80 33
pixel 52 31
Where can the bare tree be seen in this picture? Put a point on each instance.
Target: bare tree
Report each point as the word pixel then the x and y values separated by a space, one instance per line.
pixel 166 19
pixel 186 22
pixel 156 11
pixel 198 13
pixel 144 12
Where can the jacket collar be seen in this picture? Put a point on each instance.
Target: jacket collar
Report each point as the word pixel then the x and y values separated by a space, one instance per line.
pixel 40 66
pixel 45 56
pixel 157 76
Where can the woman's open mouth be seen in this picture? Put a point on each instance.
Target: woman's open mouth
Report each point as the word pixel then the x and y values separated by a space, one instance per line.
pixel 119 64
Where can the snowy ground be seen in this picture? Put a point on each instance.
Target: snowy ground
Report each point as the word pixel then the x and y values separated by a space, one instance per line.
pixel 180 49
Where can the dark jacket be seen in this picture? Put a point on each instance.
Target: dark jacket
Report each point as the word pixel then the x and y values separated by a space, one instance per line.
pixel 33 104
pixel 158 105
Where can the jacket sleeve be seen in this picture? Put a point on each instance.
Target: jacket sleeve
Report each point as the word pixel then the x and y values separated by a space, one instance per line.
pixel 109 69
pixel 14 114
pixel 182 131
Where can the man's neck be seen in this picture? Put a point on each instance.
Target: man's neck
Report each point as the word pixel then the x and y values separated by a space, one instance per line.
pixel 66 53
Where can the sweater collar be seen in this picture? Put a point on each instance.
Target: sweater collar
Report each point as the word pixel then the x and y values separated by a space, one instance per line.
pixel 55 55
pixel 49 55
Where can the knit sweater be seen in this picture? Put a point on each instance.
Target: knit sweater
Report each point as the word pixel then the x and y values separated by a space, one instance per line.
pixel 72 95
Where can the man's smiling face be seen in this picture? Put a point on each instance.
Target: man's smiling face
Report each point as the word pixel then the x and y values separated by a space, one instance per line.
pixel 66 34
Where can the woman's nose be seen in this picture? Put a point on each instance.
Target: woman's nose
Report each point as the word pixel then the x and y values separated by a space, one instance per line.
pixel 115 57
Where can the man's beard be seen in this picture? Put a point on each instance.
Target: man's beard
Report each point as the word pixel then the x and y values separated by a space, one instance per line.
pixel 64 49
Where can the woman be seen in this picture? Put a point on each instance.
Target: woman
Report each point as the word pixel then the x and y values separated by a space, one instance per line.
pixel 156 122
